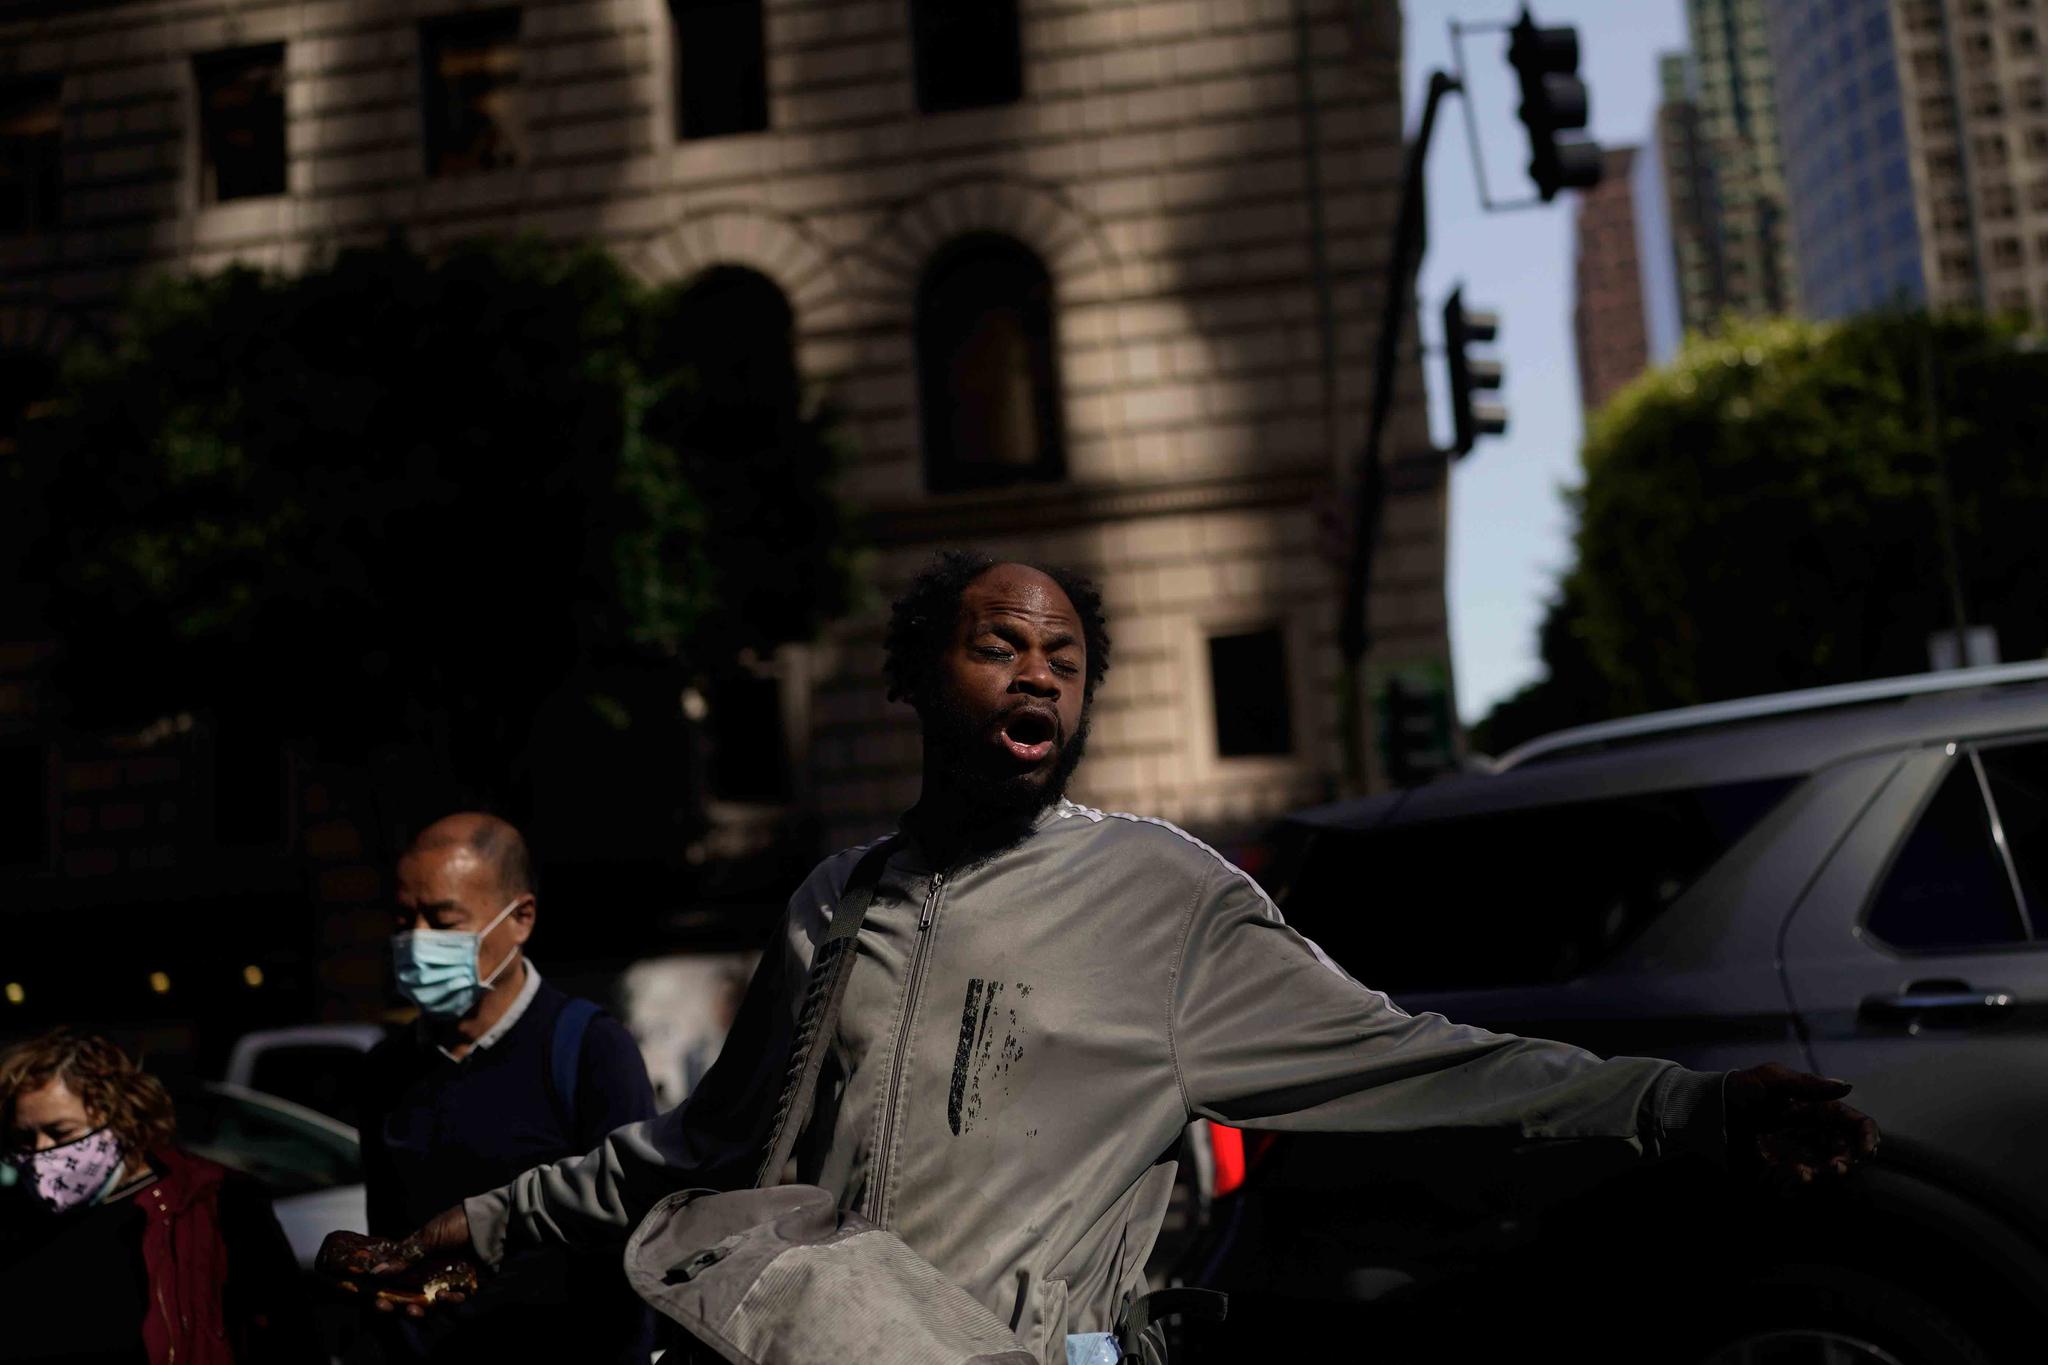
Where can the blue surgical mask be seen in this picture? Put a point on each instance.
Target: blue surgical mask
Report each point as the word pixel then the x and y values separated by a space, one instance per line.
pixel 437 969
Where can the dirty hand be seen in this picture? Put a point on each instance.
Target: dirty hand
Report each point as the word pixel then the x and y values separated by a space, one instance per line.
pixel 1792 1128
pixel 431 1266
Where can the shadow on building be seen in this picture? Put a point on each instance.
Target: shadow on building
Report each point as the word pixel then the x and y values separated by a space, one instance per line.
pixel 1090 284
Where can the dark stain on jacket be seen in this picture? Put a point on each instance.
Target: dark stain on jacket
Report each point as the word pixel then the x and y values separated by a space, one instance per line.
pixel 977 1058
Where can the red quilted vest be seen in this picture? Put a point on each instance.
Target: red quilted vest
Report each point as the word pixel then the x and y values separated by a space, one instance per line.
pixel 186 1260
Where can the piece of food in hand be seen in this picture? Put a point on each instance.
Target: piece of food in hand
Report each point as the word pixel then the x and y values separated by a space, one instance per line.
pixel 355 1253
pixel 440 1281
pixel 448 1277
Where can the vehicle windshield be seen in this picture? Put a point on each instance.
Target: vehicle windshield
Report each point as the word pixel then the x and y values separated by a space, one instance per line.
pixel 322 1076
pixel 285 1152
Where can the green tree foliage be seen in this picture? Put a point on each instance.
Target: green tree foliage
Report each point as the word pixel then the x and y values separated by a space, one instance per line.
pixel 1766 513
pixel 425 501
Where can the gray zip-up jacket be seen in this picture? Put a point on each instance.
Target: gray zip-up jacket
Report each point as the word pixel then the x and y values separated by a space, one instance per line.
pixel 1026 1035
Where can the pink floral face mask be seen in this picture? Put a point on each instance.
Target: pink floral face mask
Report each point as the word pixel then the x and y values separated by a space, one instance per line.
pixel 70 1173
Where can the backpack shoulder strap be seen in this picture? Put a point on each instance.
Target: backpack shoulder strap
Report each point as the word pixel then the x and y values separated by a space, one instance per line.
pixel 831 965
pixel 565 1054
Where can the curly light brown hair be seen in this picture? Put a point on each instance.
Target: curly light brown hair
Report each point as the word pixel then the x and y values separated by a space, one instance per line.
pixel 114 1090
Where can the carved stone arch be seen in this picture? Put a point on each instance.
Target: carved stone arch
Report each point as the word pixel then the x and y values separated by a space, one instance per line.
pixel 778 247
pixel 1065 236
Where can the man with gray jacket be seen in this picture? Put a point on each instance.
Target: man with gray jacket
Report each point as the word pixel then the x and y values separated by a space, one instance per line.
pixel 1044 995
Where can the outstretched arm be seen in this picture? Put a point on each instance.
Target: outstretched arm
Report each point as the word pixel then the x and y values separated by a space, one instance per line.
pixel 1269 1033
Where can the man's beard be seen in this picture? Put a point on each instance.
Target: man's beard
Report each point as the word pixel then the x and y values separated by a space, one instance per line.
pixel 975 774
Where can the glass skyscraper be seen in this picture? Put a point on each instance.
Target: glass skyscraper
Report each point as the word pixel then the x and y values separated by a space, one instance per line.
pixel 1916 146
pixel 1848 167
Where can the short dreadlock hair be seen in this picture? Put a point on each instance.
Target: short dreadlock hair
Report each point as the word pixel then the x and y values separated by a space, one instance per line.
pixel 923 619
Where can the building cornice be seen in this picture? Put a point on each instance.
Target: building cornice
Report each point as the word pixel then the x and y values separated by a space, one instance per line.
pixel 1049 507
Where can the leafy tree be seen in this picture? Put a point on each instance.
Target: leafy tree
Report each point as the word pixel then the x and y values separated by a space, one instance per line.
pixel 468 505
pixel 1792 504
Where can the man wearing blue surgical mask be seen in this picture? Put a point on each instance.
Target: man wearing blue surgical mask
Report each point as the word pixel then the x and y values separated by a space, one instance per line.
pixel 500 1071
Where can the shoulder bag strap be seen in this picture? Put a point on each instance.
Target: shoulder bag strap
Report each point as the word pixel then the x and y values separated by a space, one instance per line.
pixel 565 1056
pixel 831 966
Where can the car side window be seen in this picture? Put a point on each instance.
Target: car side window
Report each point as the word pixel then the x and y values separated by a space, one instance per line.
pixel 2018 777
pixel 1947 886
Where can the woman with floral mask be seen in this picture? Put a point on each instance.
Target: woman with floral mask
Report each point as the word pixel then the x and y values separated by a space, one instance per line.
pixel 115 1245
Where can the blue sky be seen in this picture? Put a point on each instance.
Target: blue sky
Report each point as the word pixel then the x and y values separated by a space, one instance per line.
pixel 1510 534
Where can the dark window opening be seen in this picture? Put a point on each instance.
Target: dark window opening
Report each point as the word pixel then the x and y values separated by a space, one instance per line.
pixel 469 73
pixel 1518 897
pixel 1947 886
pixel 241 123
pixel 748 759
pixel 968 53
pixel 988 378
pixel 1248 682
pixel 24 806
pixel 721 65
pixel 31 157
pixel 249 789
pixel 27 381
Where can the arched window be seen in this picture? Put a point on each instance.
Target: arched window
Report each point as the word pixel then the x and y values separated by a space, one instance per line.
pixel 737 421
pixel 968 53
pixel 31 155
pixel 988 378
pixel 733 329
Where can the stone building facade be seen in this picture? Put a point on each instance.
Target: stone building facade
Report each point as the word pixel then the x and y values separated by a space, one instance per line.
pixel 1171 218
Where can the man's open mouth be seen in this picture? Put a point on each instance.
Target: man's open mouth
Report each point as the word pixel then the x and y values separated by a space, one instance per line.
pixel 1030 735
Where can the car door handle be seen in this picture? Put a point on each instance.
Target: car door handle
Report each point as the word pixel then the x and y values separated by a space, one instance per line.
pixel 1953 1002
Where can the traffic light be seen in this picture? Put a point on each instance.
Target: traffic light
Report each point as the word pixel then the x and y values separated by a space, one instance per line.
pixel 1414 731
pixel 1471 417
pixel 1546 60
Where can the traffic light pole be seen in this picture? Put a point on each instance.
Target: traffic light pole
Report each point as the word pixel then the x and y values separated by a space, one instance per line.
pixel 1369 493
pixel 1554 101
pixel 1486 199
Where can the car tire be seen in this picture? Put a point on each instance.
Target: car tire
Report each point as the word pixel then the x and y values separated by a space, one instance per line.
pixel 1832 1315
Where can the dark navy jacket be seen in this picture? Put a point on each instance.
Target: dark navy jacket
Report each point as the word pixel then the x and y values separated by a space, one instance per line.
pixel 436 1131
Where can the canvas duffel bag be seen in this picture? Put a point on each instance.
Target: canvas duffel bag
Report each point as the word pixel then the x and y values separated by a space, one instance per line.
pixel 778 1274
